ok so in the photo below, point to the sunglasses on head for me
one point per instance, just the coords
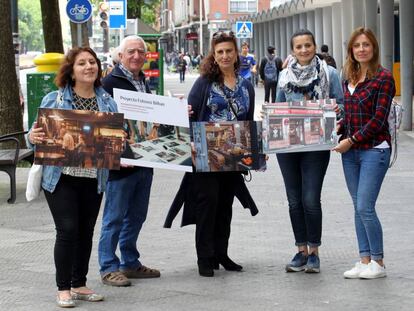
(223, 34)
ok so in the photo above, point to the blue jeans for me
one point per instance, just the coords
(303, 174)
(125, 211)
(364, 172)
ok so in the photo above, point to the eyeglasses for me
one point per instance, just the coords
(223, 34)
(133, 51)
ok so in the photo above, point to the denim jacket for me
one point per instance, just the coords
(62, 99)
(335, 90)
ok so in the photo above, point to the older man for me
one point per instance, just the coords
(128, 190)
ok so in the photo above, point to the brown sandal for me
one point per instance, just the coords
(115, 278)
(141, 273)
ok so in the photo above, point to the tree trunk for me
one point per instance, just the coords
(74, 34)
(11, 119)
(52, 31)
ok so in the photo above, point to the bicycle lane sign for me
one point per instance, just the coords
(79, 11)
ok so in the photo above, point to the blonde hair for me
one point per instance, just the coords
(352, 68)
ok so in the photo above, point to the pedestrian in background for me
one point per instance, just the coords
(219, 94)
(326, 56)
(269, 69)
(366, 145)
(306, 77)
(247, 63)
(182, 67)
(74, 194)
(187, 59)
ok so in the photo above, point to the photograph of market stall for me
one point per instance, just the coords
(80, 138)
(228, 146)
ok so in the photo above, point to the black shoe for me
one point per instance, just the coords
(215, 263)
(204, 267)
(227, 263)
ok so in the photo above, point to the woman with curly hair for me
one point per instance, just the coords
(219, 94)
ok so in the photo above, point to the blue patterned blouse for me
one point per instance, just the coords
(221, 97)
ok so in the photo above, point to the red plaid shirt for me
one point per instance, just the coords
(367, 109)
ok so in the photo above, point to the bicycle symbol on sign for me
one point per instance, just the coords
(79, 9)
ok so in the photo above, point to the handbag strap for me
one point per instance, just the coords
(230, 102)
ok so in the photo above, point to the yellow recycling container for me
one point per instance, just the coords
(397, 77)
(48, 62)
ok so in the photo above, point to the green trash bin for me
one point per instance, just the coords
(38, 85)
(42, 82)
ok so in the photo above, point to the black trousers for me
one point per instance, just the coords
(214, 195)
(75, 206)
(270, 87)
(182, 75)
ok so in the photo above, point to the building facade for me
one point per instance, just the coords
(332, 22)
(180, 21)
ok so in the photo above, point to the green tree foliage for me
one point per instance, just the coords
(143, 9)
(30, 25)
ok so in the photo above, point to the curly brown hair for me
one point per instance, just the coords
(209, 67)
(352, 68)
(64, 76)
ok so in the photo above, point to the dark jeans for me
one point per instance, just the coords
(182, 75)
(75, 206)
(303, 174)
(214, 195)
(270, 87)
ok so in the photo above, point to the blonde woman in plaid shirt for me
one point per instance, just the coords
(366, 145)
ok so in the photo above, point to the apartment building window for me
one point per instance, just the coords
(241, 6)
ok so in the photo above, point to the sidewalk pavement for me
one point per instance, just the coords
(262, 244)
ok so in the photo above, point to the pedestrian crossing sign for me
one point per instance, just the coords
(244, 30)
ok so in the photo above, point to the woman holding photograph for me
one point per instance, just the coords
(365, 145)
(74, 194)
(306, 77)
(220, 94)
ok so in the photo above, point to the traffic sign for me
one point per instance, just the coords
(79, 11)
(117, 14)
(244, 30)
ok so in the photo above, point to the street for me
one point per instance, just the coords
(262, 244)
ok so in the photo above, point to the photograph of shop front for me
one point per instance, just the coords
(299, 126)
(80, 138)
(159, 146)
(228, 146)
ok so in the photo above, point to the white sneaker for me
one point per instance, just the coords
(355, 271)
(374, 271)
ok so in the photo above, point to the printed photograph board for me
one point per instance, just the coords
(80, 138)
(158, 130)
(228, 146)
(299, 126)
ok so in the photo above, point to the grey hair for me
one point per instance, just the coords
(121, 48)
(115, 56)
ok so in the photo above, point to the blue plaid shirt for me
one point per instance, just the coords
(138, 83)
